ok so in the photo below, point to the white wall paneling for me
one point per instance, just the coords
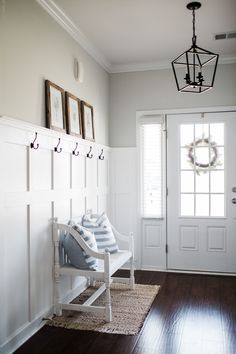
(123, 195)
(36, 185)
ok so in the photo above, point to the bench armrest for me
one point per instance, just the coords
(83, 244)
(129, 239)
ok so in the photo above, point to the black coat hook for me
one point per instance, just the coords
(74, 151)
(101, 156)
(89, 155)
(56, 147)
(33, 145)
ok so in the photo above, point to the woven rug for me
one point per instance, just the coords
(129, 310)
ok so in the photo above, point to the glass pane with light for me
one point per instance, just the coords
(217, 133)
(187, 181)
(217, 205)
(187, 204)
(202, 182)
(186, 134)
(201, 131)
(217, 181)
(202, 205)
(184, 160)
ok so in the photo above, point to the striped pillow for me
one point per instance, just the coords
(102, 230)
(77, 256)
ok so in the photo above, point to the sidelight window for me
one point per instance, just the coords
(151, 168)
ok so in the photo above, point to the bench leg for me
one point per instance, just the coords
(132, 280)
(57, 306)
(108, 313)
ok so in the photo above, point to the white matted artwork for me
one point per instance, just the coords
(55, 107)
(73, 115)
(88, 121)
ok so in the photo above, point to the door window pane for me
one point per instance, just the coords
(217, 133)
(184, 160)
(201, 131)
(202, 204)
(217, 205)
(202, 156)
(187, 205)
(187, 182)
(186, 134)
(217, 181)
(220, 158)
(202, 182)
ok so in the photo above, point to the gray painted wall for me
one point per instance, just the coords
(34, 47)
(153, 90)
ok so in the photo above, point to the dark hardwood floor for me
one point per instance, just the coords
(192, 314)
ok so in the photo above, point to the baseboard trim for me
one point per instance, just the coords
(29, 329)
(187, 271)
(25, 332)
(199, 272)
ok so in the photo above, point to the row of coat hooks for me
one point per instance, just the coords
(58, 149)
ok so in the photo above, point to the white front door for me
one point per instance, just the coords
(201, 180)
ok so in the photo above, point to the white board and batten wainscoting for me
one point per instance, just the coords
(37, 185)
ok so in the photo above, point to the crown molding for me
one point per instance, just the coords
(122, 68)
(227, 59)
(158, 65)
(62, 19)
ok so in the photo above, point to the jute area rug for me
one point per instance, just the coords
(129, 310)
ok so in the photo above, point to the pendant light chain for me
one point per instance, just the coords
(192, 75)
(194, 35)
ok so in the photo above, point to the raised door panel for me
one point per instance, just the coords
(153, 244)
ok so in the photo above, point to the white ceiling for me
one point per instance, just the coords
(126, 35)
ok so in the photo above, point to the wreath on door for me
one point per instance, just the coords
(201, 166)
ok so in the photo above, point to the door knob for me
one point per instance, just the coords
(234, 200)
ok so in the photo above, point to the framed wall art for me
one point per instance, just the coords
(73, 115)
(55, 107)
(87, 121)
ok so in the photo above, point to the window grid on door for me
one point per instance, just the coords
(202, 170)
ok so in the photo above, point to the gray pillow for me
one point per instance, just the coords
(76, 255)
(102, 230)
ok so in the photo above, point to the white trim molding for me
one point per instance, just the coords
(75, 32)
(64, 21)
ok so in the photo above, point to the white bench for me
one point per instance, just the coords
(108, 264)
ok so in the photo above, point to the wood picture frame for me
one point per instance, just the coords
(55, 107)
(87, 121)
(73, 115)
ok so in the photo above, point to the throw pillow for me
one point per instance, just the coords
(77, 256)
(102, 230)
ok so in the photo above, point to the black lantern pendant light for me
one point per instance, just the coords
(195, 69)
